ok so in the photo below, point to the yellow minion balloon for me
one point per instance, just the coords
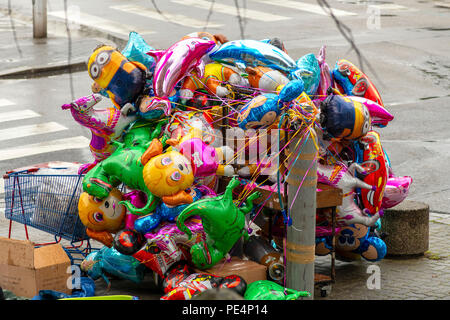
(123, 80)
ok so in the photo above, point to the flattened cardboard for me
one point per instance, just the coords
(249, 270)
(25, 270)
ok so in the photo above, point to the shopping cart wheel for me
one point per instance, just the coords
(128, 242)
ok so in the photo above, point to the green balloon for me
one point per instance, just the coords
(223, 224)
(124, 166)
(269, 290)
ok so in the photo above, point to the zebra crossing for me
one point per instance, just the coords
(9, 113)
(267, 14)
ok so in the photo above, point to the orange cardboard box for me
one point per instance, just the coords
(249, 270)
(24, 269)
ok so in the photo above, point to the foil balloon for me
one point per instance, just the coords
(353, 242)
(125, 166)
(343, 118)
(223, 222)
(380, 117)
(263, 110)
(108, 261)
(253, 53)
(339, 176)
(181, 123)
(266, 79)
(309, 71)
(371, 157)
(325, 74)
(397, 189)
(181, 283)
(162, 213)
(354, 82)
(173, 64)
(102, 217)
(214, 80)
(123, 80)
(217, 38)
(105, 125)
(136, 50)
(269, 290)
(169, 240)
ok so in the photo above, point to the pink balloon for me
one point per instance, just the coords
(380, 116)
(173, 64)
(325, 73)
(397, 189)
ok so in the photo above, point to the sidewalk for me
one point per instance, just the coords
(22, 56)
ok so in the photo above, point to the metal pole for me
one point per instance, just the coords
(39, 18)
(300, 240)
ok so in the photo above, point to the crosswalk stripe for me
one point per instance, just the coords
(232, 10)
(388, 6)
(78, 142)
(99, 23)
(175, 18)
(18, 115)
(312, 8)
(6, 102)
(30, 130)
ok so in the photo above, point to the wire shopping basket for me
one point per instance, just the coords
(48, 202)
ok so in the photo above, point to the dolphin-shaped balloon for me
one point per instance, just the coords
(173, 64)
(253, 53)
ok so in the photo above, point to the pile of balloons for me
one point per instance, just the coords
(151, 195)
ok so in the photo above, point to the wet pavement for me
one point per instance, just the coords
(411, 68)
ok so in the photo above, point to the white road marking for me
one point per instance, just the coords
(99, 23)
(6, 102)
(30, 130)
(78, 142)
(226, 9)
(312, 8)
(175, 18)
(18, 115)
(388, 6)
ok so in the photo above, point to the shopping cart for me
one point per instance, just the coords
(48, 202)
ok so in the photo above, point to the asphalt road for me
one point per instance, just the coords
(405, 51)
(404, 45)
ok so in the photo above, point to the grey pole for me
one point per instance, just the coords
(300, 240)
(39, 18)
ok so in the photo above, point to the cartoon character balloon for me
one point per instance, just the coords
(371, 157)
(354, 82)
(263, 110)
(223, 224)
(106, 125)
(123, 80)
(343, 118)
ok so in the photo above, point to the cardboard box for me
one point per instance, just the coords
(249, 270)
(24, 269)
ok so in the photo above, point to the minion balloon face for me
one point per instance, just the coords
(344, 119)
(122, 79)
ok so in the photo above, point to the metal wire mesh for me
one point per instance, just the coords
(46, 202)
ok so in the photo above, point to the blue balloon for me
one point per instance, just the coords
(136, 50)
(262, 111)
(110, 261)
(309, 71)
(162, 213)
(252, 53)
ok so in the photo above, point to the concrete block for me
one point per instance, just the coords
(407, 228)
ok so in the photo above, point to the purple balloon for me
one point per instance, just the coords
(396, 190)
(173, 64)
(380, 116)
